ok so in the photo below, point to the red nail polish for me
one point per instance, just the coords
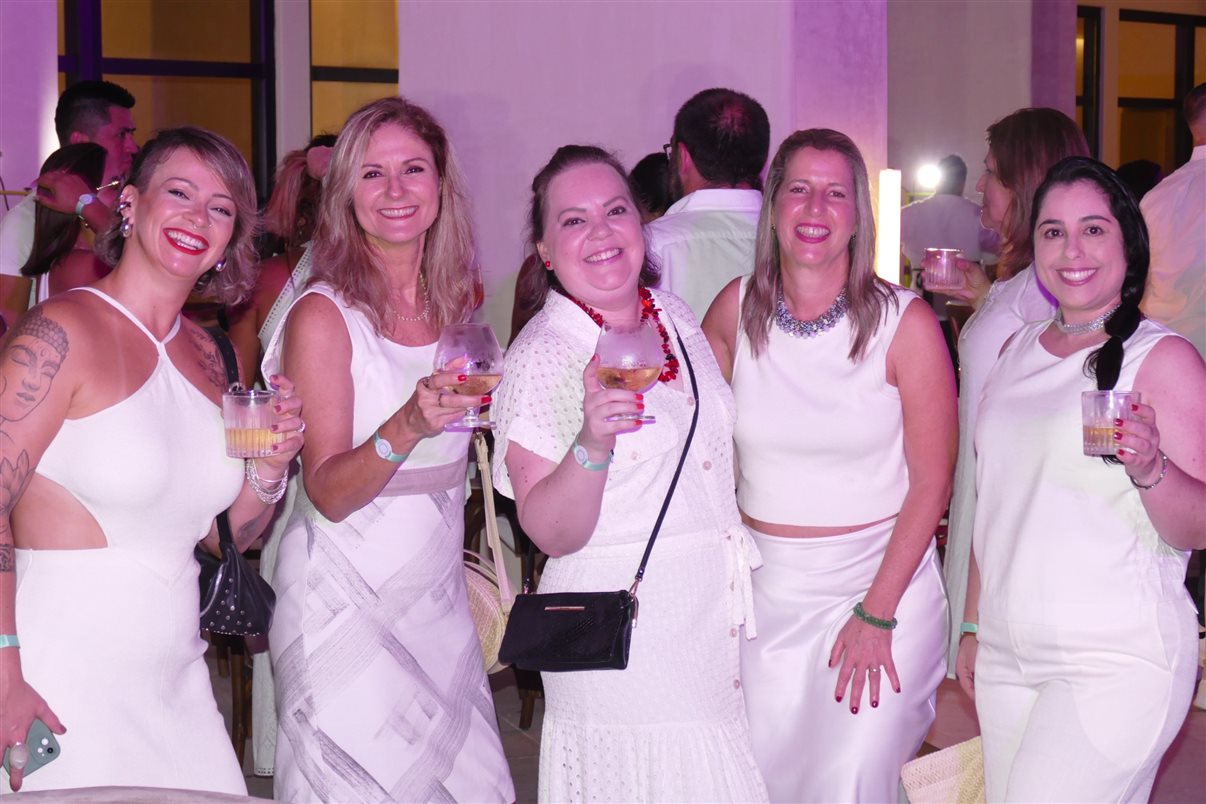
(277, 408)
(1121, 453)
(838, 698)
(640, 397)
(874, 704)
(461, 378)
(1117, 435)
(640, 405)
(486, 399)
(1118, 422)
(897, 690)
(854, 710)
(1134, 407)
(275, 428)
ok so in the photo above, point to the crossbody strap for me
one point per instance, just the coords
(231, 364)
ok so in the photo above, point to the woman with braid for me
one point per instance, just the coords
(1082, 646)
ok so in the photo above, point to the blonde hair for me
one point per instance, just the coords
(343, 256)
(866, 294)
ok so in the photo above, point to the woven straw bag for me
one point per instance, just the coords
(490, 593)
(954, 775)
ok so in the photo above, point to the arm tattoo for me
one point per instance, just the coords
(7, 563)
(210, 362)
(13, 477)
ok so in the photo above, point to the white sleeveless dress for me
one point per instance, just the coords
(380, 689)
(1088, 637)
(672, 725)
(110, 636)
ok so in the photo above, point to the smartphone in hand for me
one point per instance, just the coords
(43, 747)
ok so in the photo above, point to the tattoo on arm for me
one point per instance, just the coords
(210, 361)
(7, 562)
(13, 477)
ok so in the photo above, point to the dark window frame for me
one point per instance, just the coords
(1088, 95)
(84, 61)
(343, 75)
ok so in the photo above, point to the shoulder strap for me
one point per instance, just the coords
(226, 349)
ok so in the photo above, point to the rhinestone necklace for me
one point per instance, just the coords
(1089, 326)
(426, 305)
(649, 310)
(810, 329)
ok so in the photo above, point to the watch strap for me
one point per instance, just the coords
(84, 200)
(382, 446)
(583, 459)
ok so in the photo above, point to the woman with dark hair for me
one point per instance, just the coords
(381, 692)
(845, 441)
(112, 468)
(1081, 646)
(61, 257)
(672, 725)
(1022, 147)
(651, 178)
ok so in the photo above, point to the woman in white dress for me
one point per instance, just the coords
(672, 725)
(112, 469)
(380, 688)
(845, 441)
(1083, 643)
(1022, 147)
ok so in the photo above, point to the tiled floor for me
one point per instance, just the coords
(1182, 775)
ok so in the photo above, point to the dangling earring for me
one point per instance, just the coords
(219, 265)
(127, 226)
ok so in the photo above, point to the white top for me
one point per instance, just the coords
(284, 302)
(820, 439)
(384, 375)
(17, 236)
(1052, 522)
(942, 221)
(1175, 211)
(705, 240)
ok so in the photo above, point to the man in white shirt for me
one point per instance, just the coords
(717, 152)
(1175, 212)
(88, 111)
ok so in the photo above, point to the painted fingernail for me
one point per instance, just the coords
(874, 704)
(461, 378)
(837, 698)
(640, 405)
(278, 408)
(1134, 407)
(1117, 435)
(1121, 453)
(854, 710)
(275, 428)
(640, 397)
(897, 689)
(276, 447)
(1118, 422)
(486, 399)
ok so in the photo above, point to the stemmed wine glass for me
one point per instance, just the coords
(630, 358)
(473, 351)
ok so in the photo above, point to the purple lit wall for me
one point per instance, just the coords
(28, 88)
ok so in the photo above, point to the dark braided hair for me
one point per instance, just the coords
(1105, 364)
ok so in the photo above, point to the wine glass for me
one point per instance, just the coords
(470, 350)
(630, 358)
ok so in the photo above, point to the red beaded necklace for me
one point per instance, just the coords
(648, 310)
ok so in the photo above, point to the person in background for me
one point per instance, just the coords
(88, 111)
(1080, 640)
(651, 177)
(112, 468)
(717, 152)
(1022, 146)
(381, 691)
(62, 256)
(672, 725)
(1140, 176)
(845, 440)
(1175, 211)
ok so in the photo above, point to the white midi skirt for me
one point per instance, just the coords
(809, 746)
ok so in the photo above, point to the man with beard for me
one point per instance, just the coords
(717, 152)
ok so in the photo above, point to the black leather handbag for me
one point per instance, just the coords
(235, 599)
(566, 631)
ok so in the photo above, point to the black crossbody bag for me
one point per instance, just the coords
(567, 631)
(235, 599)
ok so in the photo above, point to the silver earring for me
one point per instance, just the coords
(127, 227)
(219, 265)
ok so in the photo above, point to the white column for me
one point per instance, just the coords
(29, 89)
(292, 42)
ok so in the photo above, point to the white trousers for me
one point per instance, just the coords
(1083, 714)
(809, 746)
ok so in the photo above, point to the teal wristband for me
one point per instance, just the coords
(579, 453)
(886, 625)
(969, 628)
(9, 641)
(85, 200)
(385, 450)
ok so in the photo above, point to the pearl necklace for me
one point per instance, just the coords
(649, 310)
(426, 305)
(1089, 326)
(810, 329)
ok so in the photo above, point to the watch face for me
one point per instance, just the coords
(383, 448)
(580, 454)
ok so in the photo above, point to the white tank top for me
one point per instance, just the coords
(1061, 538)
(820, 439)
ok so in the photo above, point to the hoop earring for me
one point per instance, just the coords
(219, 265)
(127, 227)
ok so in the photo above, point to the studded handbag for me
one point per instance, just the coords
(235, 599)
(565, 631)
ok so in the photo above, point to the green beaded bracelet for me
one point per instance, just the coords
(887, 625)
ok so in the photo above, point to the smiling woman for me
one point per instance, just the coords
(112, 469)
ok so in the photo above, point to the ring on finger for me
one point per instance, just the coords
(302, 428)
(873, 670)
(18, 757)
(440, 399)
(426, 383)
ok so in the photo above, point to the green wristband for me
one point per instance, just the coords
(886, 625)
(969, 628)
(9, 641)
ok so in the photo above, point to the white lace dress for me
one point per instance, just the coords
(672, 726)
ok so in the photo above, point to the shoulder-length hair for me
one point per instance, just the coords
(55, 233)
(534, 285)
(343, 256)
(866, 294)
(234, 282)
(292, 208)
(1024, 146)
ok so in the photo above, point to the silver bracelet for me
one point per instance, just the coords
(269, 492)
(1156, 482)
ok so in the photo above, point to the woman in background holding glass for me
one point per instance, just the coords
(589, 485)
(1021, 148)
(381, 690)
(1081, 644)
(845, 442)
